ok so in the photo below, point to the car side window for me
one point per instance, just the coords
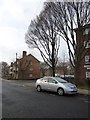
(51, 80)
(45, 80)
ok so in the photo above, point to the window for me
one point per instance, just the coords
(87, 44)
(87, 74)
(17, 69)
(30, 75)
(86, 31)
(31, 69)
(45, 80)
(30, 62)
(51, 80)
(11, 67)
(87, 59)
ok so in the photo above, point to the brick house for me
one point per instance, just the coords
(28, 67)
(83, 37)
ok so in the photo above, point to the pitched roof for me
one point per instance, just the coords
(33, 57)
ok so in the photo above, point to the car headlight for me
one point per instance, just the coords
(71, 87)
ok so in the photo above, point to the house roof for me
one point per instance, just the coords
(23, 58)
(33, 57)
(27, 56)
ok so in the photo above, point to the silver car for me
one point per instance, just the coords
(56, 84)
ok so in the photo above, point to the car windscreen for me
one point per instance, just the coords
(60, 80)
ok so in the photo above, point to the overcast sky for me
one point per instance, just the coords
(15, 17)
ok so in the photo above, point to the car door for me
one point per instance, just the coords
(52, 84)
(45, 84)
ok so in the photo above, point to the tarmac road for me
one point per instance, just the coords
(22, 101)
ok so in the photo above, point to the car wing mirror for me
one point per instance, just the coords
(56, 82)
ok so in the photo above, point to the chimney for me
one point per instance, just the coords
(24, 53)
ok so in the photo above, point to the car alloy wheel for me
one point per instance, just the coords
(60, 91)
(38, 88)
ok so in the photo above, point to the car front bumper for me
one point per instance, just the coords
(71, 91)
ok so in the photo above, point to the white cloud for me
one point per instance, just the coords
(15, 17)
(11, 41)
(8, 36)
(19, 11)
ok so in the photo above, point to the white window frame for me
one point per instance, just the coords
(30, 75)
(87, 59)
(17, 68)
(88, 74)
(87, 44)
(86, 31)
(31, 69)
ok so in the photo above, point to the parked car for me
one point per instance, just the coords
(55, 84)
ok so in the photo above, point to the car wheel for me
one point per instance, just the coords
(38, 88)
(60, 91)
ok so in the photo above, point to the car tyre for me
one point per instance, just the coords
(60, 92)
(38, 88)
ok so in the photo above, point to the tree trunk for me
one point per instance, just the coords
(75, 76)
(53, 71)
(53, 59)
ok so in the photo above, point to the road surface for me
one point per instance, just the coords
(19, 101)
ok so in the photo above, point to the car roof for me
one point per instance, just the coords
(49, 77)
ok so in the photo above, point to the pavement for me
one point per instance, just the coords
(31, 83)
(83, 91)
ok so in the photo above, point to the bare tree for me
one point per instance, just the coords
(71, 15)
(43, 69)
(5, 70)
(63, 65)
(41, 34)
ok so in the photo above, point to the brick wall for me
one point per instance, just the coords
(81, 38)
(28, 67)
